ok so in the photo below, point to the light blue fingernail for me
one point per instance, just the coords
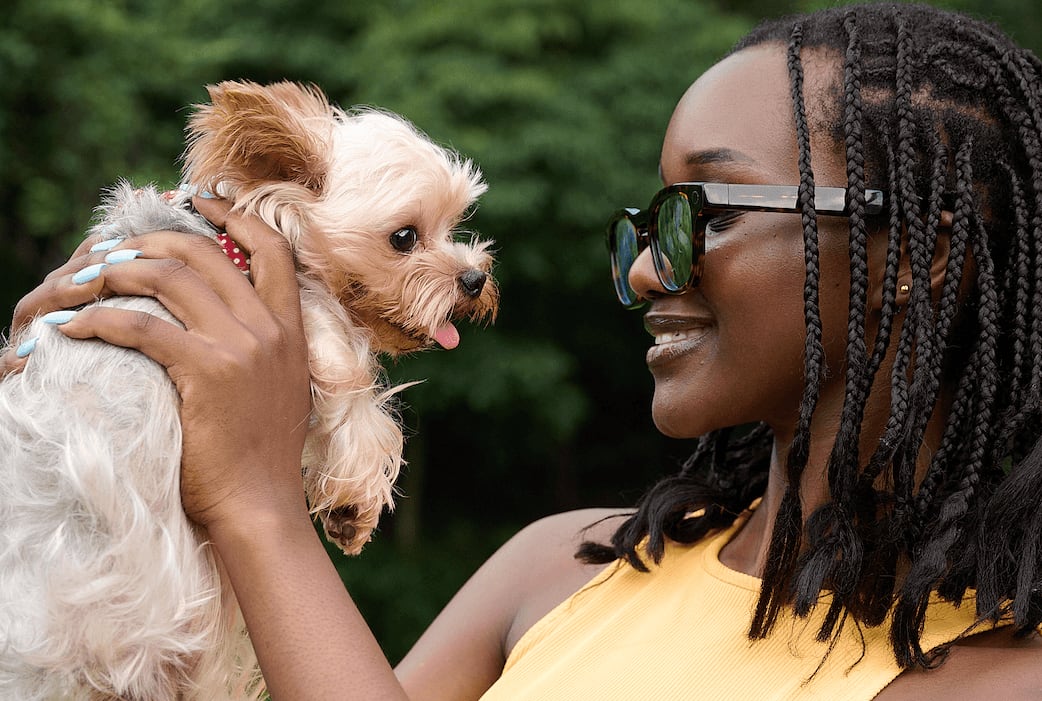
(91, 272)
(27, 347)
(62, 316)
(122, 256)
(190, 189)
(105, 245)
(207, 195)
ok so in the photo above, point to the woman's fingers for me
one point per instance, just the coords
(11, 362)
(271, 259)
(192, 299)
(215, 210)
(163, 342)
(188, 274)
(54, 292)
(83, 279)
(92, 273)
(199, 253)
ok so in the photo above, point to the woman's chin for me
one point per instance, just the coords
(676, 424)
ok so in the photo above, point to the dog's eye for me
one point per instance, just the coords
(404, 240)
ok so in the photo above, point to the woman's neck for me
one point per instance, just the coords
(747, 551)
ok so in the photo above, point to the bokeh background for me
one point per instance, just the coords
(562, 103)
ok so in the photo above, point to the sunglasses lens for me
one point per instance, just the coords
(674, 253)
(623, 241)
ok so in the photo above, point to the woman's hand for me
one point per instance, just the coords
(239, 365)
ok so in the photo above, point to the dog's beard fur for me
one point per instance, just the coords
(107, 591)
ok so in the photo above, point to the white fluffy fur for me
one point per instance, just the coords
(107, 591)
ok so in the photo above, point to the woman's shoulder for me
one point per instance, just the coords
(524, 580)
(990, 665)
(562, 533)
(542, 557)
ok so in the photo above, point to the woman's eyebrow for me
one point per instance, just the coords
(716, 155)
(713, 156)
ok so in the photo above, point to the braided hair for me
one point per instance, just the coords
(943, 113)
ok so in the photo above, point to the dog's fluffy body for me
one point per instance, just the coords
(107, 591)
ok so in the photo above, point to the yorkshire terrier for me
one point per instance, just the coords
(107, 590)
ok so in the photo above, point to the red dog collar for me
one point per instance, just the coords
(232, 250)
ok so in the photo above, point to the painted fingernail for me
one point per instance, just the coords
(122, 256)
(27, 347)
(207, 195)
(62, 316)
(105, 245)
(91, 272)
(190, 189)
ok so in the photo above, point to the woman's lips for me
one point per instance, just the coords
(674, 337)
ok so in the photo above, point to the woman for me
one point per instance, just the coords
(883, 345)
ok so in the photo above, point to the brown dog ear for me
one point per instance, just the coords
(250, 134)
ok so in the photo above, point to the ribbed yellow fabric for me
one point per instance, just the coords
(680, 632)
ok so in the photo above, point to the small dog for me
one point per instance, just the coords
(107, 591)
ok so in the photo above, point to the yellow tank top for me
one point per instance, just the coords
(680, 632)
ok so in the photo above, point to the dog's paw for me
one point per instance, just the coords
(343, 527)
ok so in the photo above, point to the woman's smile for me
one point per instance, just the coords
(674, 336)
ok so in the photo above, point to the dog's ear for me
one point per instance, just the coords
(251, 134)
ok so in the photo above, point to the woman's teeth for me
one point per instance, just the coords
(676, 336)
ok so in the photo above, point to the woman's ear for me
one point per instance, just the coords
(877, 262)
(877, 247)
(942, 249)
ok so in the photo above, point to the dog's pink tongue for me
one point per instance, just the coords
(447, 336)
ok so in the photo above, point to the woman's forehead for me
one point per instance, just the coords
(737, 120)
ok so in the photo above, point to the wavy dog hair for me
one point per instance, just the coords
(944, 113)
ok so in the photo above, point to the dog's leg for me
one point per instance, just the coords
(354, 448)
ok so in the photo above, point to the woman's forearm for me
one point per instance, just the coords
(310, 638)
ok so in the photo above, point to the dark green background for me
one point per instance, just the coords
(563, 104)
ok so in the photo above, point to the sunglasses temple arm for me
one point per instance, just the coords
(782, 198)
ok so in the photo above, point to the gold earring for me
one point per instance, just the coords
(904, 289)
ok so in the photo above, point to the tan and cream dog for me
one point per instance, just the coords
(107, 591)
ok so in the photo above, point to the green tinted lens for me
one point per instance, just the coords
(625, 248)
(674, 251)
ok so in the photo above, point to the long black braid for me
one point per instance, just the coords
(785, 545)
(944, 114)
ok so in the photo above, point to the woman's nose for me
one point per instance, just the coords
(643, 278)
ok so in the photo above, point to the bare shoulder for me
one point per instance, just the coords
(527, 577)
(991, 665)
(544, 554)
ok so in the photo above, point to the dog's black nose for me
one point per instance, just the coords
(472, 282)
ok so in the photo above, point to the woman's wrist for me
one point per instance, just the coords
(249, 525)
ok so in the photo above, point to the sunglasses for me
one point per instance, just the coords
(674, 225)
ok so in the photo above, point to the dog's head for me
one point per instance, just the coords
(371, 206)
